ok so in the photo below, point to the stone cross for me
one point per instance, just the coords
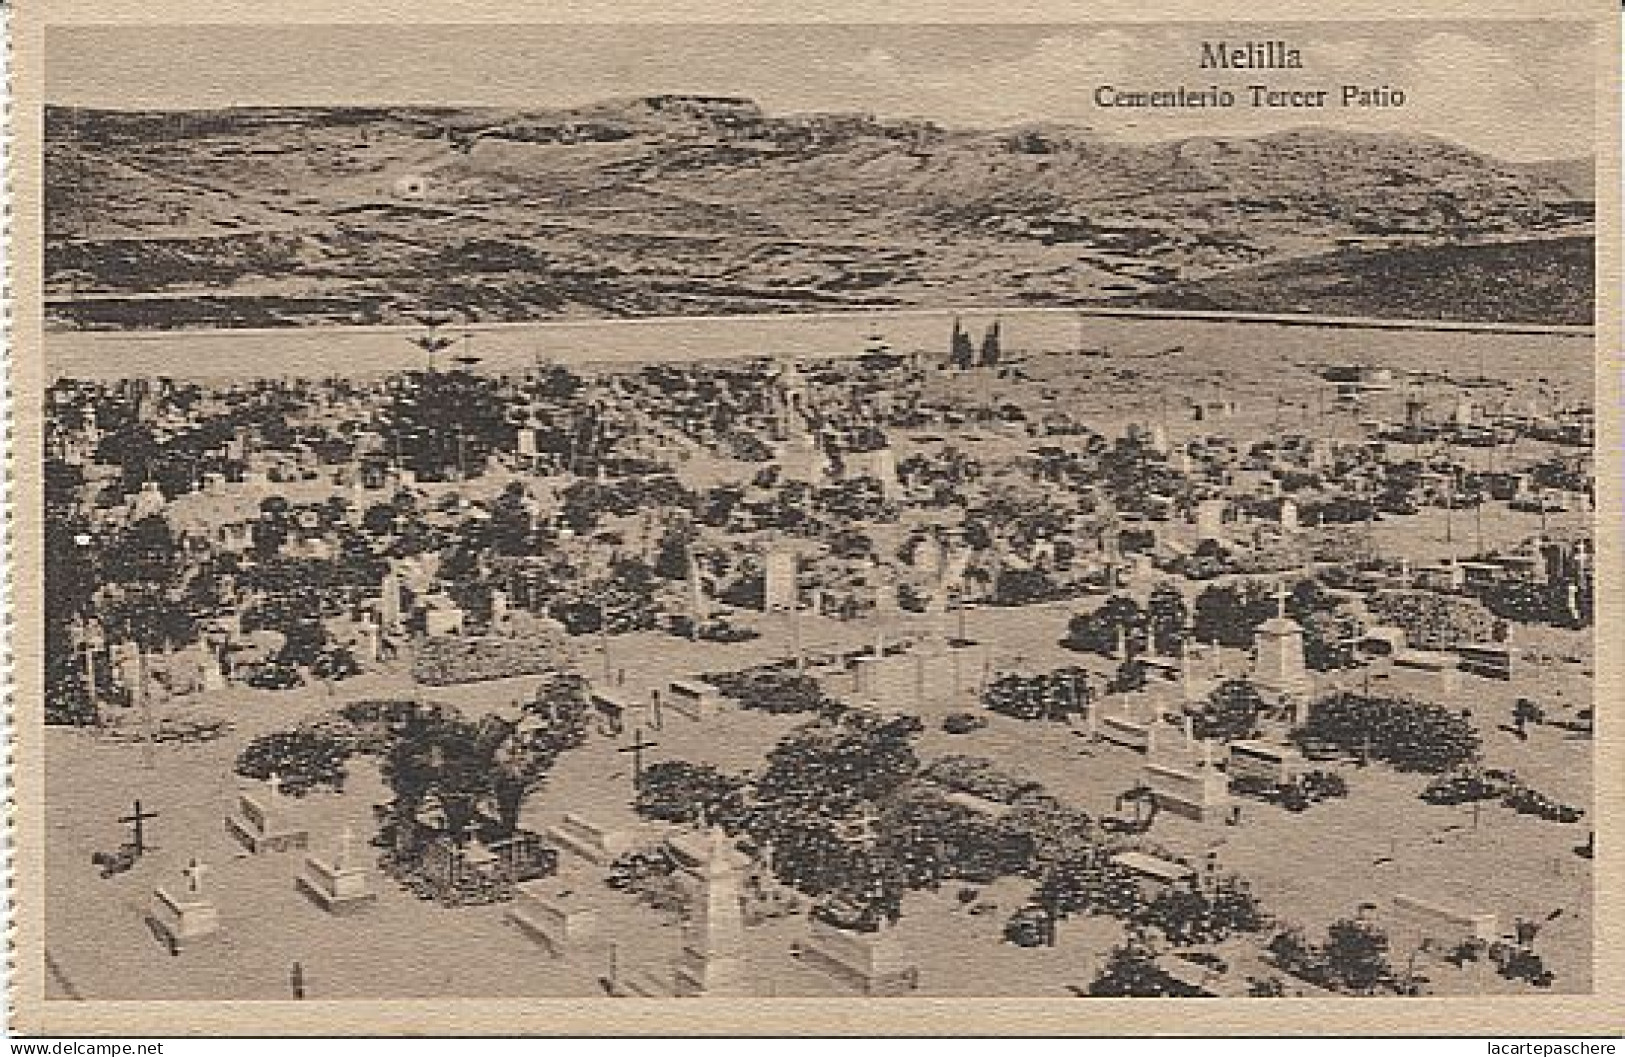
(194, 876)
(1280, 598)
(1207, 753)
(1190, 727)
(275, 782)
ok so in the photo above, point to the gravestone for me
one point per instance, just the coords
(779, 588)
(692, 698)
(341, 884)
(1152, 873)
(180, 920)
(368, 643)
(1265, 761)
(1416, 922)
(712, 962)
(263, 824)
(1190, 790)
(554, 914)
(1278, 647)
(1128, 730)
(874, 964)
(389, 604)
(594, 843)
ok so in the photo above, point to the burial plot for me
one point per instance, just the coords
(712, 961)
(589, 841)
(555, 914)
(692, 698)
(1264, 761)
(263, 824)
(340, 884)
(875, 964)
(1154, 874)
(1418, 922)
(713, 957)
(1190, 789)
(1128, 730)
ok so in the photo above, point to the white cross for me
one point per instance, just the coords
(275, 782)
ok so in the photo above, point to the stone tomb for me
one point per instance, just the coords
(874, 964)
(553, 913)
(1152, 873)
(692, 698)
(182, 920)
(1264, 761)
(712, 961)
(1417, 922)
(339, 885)
(262, 825)
(589, 841)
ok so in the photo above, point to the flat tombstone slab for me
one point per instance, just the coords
(336, 889)
(699, 975)
(589, 841)
(1425, 922)
(262, 827)
(555, 914)
(179, 922)
(872, 963)
(692, 698)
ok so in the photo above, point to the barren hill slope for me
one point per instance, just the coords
(705, 204)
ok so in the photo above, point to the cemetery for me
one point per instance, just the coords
(996, 707)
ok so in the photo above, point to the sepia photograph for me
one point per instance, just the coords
(566, 516)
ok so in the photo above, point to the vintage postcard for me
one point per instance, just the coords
(740, 519)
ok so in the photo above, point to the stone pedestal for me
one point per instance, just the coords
(589, 841)
(337, 888)
(260, 825)
(1280, 667)
(181, 921)
(874, 964)
(554, 915)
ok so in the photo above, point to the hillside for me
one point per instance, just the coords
(1545, 280)
(684, 204)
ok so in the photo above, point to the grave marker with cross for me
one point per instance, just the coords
(135, 819)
